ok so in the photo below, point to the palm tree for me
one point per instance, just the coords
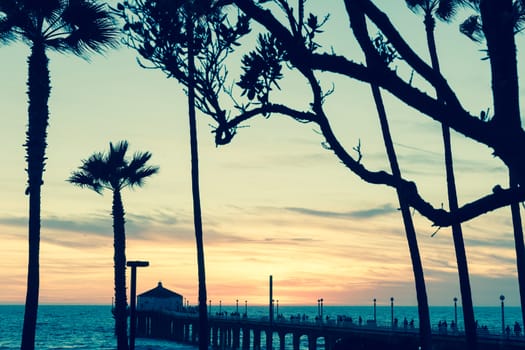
(180, 38)
(112, 171)
(75, 26)
(195, 188)
(444, 10)
(387, 54)
(507, 102)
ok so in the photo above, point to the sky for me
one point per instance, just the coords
(274, 201)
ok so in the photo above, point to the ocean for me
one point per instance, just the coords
(90, 327)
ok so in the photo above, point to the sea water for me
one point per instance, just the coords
(91, 327)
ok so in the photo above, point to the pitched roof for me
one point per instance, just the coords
(160, 292)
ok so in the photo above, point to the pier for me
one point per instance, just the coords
(236, 332)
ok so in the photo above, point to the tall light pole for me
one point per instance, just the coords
(375, 310)
(246, 308)
(220, 307)
(277, 311)
(321, 309)
(456, 311)
(209, 302)
(270, 312)
(392, 310)
(502, 298)
(133, 298)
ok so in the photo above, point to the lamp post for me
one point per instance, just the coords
(220, 307)
(133, 297)
(456, 311)
(246, 308)
(502, 298)
(237, 306)
(321, 309)
(209, 303)
(277, 311)
(392, 310)
(375, 310)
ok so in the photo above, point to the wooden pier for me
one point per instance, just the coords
(255, 334)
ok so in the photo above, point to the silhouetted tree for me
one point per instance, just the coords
(445, 10)
(386, 56)
(113, 171)
(175, 36)
(301, 51)
(79, 27)
(473, 28)
(289, 38)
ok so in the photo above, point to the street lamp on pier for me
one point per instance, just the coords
(392, 310)
(456, 311)
(246, 308)
(237, 306)
(502, 298)
(133, 299)
(220, 307)
(209, 302)
(277, 308)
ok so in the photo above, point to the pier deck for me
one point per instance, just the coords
(249, 333)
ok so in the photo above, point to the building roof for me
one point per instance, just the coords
(160, 292)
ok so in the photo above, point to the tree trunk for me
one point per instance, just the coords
(506, 123)
(197, 215)
(417, 267)
(499, 34)
(38, 114)
(119, 259)
(520, 248)
(457, 232)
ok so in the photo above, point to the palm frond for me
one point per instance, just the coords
(447, 9)
(518, 9)
(6, 31)
(416, 5)
(90, 29)
(138, 178)
(116, 155)
(112, 170)
(471, 27)
(97, 167)
(15, 21)
(48, 9)
(83, 179)
(137, 170)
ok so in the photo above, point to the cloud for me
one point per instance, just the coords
(386, 209)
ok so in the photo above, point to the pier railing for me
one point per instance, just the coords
(238, 332)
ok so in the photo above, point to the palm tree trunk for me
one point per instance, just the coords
(417, 267)
(119, 259)
(499, 34)
(197, 215)
(358, 24)
(38, 115)
(457, 232)
(519, 246)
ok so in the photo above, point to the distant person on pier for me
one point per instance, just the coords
(517, 329)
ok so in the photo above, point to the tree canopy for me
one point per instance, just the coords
(288, 42)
